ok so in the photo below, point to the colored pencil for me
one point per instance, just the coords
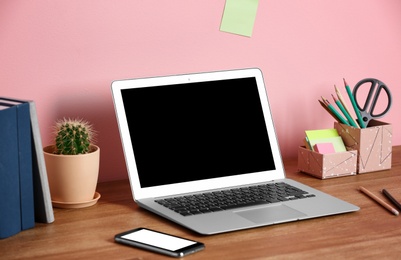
(346, 114)
(334, 112)
(378, 200)
(342, 100)
(353, 102)
(329, 111)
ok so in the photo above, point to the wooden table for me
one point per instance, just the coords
(88, 233)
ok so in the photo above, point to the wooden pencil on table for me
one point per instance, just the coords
(391, 198)
(378, 200)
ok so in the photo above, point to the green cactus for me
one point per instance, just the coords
(73, 136)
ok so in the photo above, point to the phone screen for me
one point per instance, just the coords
(158, 239)
(159, 242)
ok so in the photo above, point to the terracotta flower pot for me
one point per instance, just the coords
(72, 178)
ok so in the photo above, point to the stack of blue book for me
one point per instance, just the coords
(21, 169)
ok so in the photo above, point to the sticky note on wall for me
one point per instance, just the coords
(239, 16)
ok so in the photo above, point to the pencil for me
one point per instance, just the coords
(341, 107)
(378, 200)
(341, 99)
(328, 110)
(354, 105)
(334, 112)
(346, 114)
(391, 198)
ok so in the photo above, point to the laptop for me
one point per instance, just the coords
(205, 137)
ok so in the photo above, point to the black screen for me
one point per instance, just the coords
(197, 131)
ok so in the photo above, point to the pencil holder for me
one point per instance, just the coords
(326, 166)
(373, 143)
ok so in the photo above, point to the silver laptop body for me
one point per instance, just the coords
(206, 132)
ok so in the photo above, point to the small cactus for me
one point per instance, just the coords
(73, 136)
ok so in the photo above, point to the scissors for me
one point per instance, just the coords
(367, 111)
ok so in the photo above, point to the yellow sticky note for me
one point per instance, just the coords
(326, 136)
(321, 133)
(239, 17)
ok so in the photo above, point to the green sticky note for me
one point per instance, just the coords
(326, 136)
(239, 17)
(321, 133)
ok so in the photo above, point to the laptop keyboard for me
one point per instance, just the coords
(233, 198)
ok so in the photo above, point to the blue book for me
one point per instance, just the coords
(25, 161)
(10, 210)
(42, 199)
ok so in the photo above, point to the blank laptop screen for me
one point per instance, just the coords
(196, 131)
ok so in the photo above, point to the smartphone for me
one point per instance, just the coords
(159, 242)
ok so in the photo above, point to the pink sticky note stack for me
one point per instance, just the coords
(324, 148)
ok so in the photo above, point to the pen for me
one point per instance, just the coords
(341, 99)
(353, 102)
(334, 112)
(341, 107)
(391, 198)
(378, 200)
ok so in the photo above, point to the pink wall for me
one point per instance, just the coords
(64, 54)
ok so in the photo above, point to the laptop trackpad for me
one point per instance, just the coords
(274, 214)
